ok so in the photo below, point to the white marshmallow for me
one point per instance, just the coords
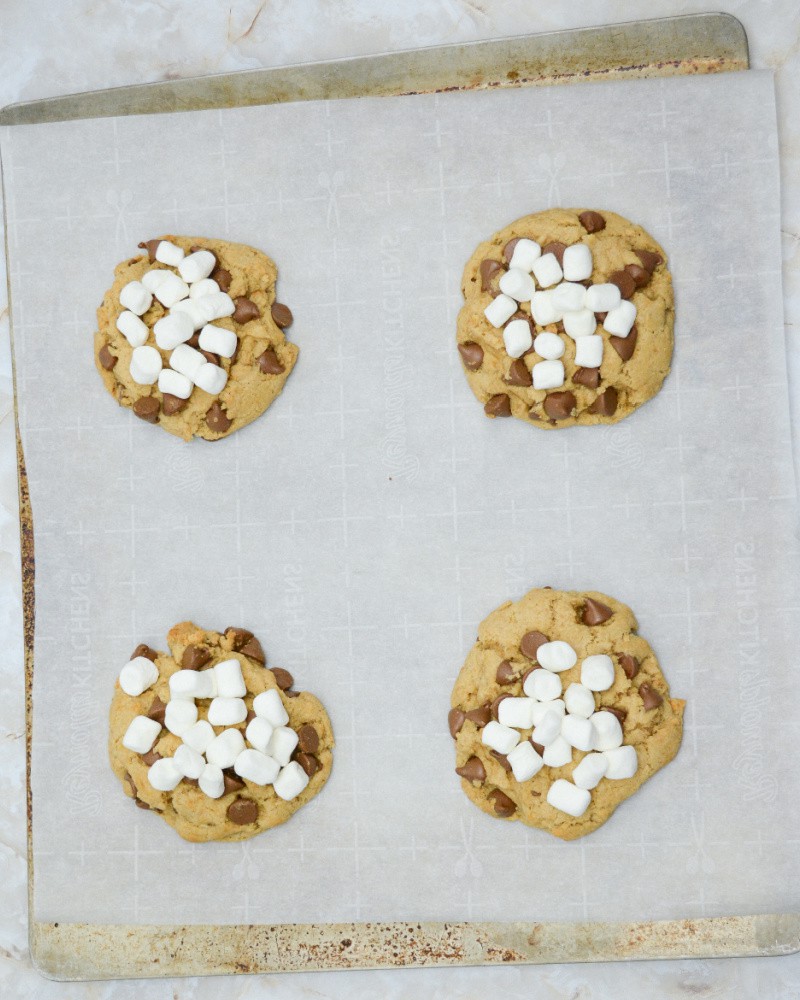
(187, 361)
(225, 748)
(282, 744)
(525, 761)
(541, 708)
(622, 762)
(578, 732)
(543, 309)
(290, 782)
(152, 279)
(499, 737)
(141, 734)
(168, 253)
(215, 306)
(602, 298)
(164, 775)
(569, 296)
(589, 351)
(518, 284)
(172, 329)
(259, 733)
(500, 309)
(556, 656)
(180, 715)
(199, 736)
(579, 700)
(187, 684)
(607, 731)
(227, 711)
(230, 682)
(548, 374)
(256, 767)
(188, 761)
(525, 253)
(620, 320)
(212, 781)
(548, 346)
(211, 378)
(516, 712)
(567, 798)
(197, 265)
(146, 365)
(597, 672)
(133, 329)
(137, 676)
(517, 337)
(590, 770)
(189, 307)
(577, 262)
(218, 340)
(542, 685)
(205, 286)
(547, 729)
(580, 324)
(558, 753)
(174, 383)
(171, 290)
(547, 270)
(134, 296)
(269, 706)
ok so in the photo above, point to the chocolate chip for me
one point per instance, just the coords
(282, 315)
(238, 636)
(624, 282)
(639, 274)
(506, 674)
(490, 271)
(501, 759)
(147, 408)
(146, 651)
(538, 748)
(106, 358)
(480, 716)
(222, 278)
(191, 781)
(269, 363)
(496, 705)
(140, 804)
(590, 377)
(471, 354)
(533, 415)
(217, 419)
(503, 805)
(212, 359)
(308, 740)
(530, 642)
(245, 310)
(197, 247)
(455, 720)
(519, 374)
(620, 713)
(250, 716)
(629, 664)
(254, 650)
(528, 672)
(650, 697)
(231, 781)
(130, 784)
(625, 346)
(157, 710)
(150, 246)
(292, 694)
(309, 763)
(606, 403)
(242, 812)
(498, 406)
(557, 249)
(592, 222)
(151, 757)
(194, 340)
(559, 405)
(172, 404)
(649, 260)
(595, 613)
(508, 249)
(472, 770)
(195, 657)
(600, 317)
(283, 678)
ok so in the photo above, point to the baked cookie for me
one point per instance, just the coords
(560, 712)
(191, 338)
(567, 320)
(212, 739)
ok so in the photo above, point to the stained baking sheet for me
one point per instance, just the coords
(366, 523)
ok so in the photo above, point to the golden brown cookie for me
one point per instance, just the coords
(272, 749)
(566, 378)
(247, 355)
(568, 669)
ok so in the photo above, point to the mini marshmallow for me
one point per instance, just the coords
(579, 701)
(547, 729)
(173, 329)
(134, 296)
(556, 656)
(269, 706)
(141, 734)
(517, 337)
(518, 284)
(171, 290)
(225, 748)
(516, 712)
(597, 672)
(568, 798)
(525, 761)
(607, 730)
(541, 708)
(205, 286)
(211, 378)
(622, 762)
(589, 351)
(620, 321)
(500, 309)
(578, 732)
(137, 676)
(133, 329)
(189, 307)
(525, 253)
(215, 306)
(577, 262)
(580, 324)
(187, 361)
(164, 775)
(199, 736)
(146, 365)
(197, 265)
(230, 682)
(590, 770)
(227, 711)
(548, 346)
(189, 762)
(174, 383)
(542, 685)
(168, 253)
(548, 374)
(212, 781)
(543, 309)
(259, 733)
(218, 340)
(569, 296)
(499, 737)
(602, 298)
(187, 684)
(290, 782)
(180, 715)
(547, 270)
(558, 753)
(152, 279)
(281, 744)
(256, 767)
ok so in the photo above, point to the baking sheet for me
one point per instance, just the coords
(373, 516)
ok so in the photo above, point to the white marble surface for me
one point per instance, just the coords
(48, 49)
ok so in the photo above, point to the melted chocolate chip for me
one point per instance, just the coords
(496, 705)
(172, 404)
(250, 716)
(150, 246)
(157, 711)
(130, 782)
(506, 674)
(217, 419)
(490, 271)
(650, 697)
(232, 781)
(455, 720)
(146, 651)
(242, 812)
(282, 314)
(472, 770)
(620, 713)
(501, 759)
(530, 642)
(650, 260)
(605, 404)
(595, 613)
(590, 377)
(308, 740)
(222, 278)
(625, 346)
(197, 247)
(269, 363)
(195, 657)
(238, 636)
(106, 358)
(624, 282)
(211, 358)
(480, 716)
(629, 664)
(639, 274)
(309, 763)
(559, 405)
(498, 406)
(503, 805)
(151, 757)
(471, 354)
(147, 408)
(254, 650)
(538, 748)
(245, 310)
(556, 249)
(519, 374)
(592, 222)
(508, 249)
(283, 678)
(140, 804)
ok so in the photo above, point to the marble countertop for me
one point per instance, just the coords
(48, 49)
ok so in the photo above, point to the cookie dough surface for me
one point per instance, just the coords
(633, 368)
(505, 652)
(256, 372)
(247, 808)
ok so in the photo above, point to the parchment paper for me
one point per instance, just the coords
(373, 516)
